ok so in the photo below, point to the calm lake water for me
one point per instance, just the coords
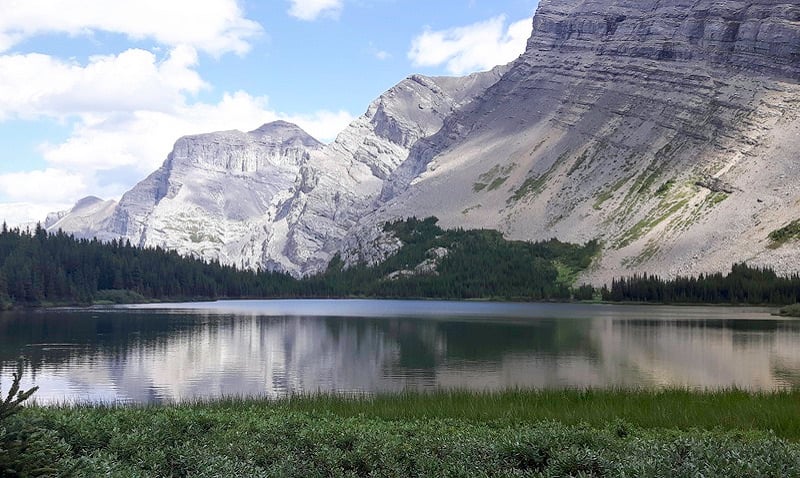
(274, 348)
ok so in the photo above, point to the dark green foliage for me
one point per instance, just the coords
(584, 292)
(478, 264)
(743, 285)
(785, 234)
(26, 448)
(665, 187)
(119, 297)
(792, 310)
(39, 268)
(251, 438)
(16, 396)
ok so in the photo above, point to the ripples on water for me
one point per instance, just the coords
(275, 348)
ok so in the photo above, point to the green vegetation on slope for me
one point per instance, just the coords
(476, 264)
(568, 433)
(789, 232)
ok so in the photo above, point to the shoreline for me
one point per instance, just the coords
(102, 304)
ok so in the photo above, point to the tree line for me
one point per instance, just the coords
(742, 285)
(37, 267)
(40, 268)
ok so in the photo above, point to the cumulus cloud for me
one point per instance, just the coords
(50, 185)
(213, 26)
(310, 10)
(127, 147)
(33, 85)
(125, 110)
(142, 139)
(476, 47)
(28, 214)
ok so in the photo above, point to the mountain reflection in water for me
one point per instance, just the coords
(192, 351)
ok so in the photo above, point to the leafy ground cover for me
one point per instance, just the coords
(556, 433)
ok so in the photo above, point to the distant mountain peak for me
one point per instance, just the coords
(286, 132)
(88, 201)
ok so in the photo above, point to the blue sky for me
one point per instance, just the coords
(94, 92)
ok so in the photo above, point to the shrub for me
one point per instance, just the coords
(26, 448)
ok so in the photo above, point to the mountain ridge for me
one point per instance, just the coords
(667, 129)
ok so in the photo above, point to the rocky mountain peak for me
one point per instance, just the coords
(286, 134)
(88, 201)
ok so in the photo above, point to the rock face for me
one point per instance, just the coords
(275, 198)
(609, 122)
(612, 125)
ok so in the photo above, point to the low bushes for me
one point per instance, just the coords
(250, 439)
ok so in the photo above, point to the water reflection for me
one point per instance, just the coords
(249, 349)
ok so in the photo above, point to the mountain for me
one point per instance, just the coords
(668, 129)
(276, 198)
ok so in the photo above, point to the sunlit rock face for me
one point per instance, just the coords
(276, 198)
(615, 124)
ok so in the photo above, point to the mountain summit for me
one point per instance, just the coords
(668, 129)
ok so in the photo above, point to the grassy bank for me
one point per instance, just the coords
(732, 410)
(558, 433)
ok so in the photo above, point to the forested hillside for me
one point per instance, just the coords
(462, 264)
(37, 268)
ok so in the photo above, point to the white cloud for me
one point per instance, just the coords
(323, 125)
(376, 52)
(142, 139)
(48, 186)
(310, 10)
(34, 85)
(476, 47)
(127, 109)
(129, 146)
(213, 26)
(26, 214)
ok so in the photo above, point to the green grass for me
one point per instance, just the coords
(682, 409)
(516, 433)
(493, 178)
(497, 183)
(661, 214)
(609, 193)
(789, 232)
(534, 185)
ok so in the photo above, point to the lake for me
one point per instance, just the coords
(157, 353)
